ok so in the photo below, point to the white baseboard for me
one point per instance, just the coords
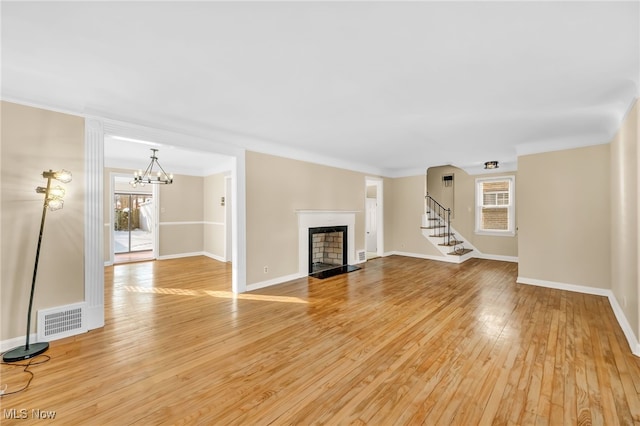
(563, 286)
(274, 281)
(624, 324)
(632, 339)
(448, 259)
(214, 257)
(499, 257)
(180, 255)
(8, 344)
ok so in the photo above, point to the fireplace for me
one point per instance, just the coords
(336, 221)
(327, 248)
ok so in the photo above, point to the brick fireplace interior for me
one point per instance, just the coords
(327, 248)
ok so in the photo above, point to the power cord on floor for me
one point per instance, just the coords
(37, 360)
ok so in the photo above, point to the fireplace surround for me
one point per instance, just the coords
(324, 218)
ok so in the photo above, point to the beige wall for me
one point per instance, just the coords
(460, 197)
(214, 219)
(180, 239)
(183, 200)
(275, 188)
(34, 140)
(562, 201)
(403, 211)
(624, 215)
(181, 204)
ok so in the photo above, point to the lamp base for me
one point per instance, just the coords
(21, 352)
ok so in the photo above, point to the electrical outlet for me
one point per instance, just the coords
(266, 269)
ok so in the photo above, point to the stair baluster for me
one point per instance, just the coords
(440, 211)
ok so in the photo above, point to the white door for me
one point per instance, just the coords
(372, 225)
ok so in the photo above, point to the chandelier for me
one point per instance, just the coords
(149, 176)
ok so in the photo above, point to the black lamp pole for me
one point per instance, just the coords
(30, 350)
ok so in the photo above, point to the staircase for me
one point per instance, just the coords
(436, 227)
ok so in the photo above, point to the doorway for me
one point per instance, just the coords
(373, 219)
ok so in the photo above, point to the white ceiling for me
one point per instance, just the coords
(387, 87)
(136, 155)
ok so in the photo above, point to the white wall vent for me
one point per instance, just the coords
(62, 321)
(362, 256)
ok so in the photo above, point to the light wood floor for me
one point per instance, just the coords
(402, 341)
(134, 256)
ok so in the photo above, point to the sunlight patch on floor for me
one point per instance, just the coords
(219, 294)
(259, 297)
(162, 290)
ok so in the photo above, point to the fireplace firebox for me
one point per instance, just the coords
(327, 248)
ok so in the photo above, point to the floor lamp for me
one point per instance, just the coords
(52, 201)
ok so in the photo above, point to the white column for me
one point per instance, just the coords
(94, 223)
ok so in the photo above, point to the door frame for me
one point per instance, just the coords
(378, 183)
(228, 218)
(95, 129)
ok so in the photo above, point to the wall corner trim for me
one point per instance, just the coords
(180, 255)
(632, 339)
(214, 257)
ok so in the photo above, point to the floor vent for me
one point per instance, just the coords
(60, 322)
(362, 255)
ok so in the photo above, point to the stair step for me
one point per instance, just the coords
(440, 235)
(433, 227)
(451, 243)
(460, 252)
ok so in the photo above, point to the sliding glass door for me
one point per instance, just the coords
(133, 222)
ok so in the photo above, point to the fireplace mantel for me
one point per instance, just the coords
(318, 218)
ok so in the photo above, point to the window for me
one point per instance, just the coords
(495, 207)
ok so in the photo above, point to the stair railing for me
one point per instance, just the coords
(441, 212)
